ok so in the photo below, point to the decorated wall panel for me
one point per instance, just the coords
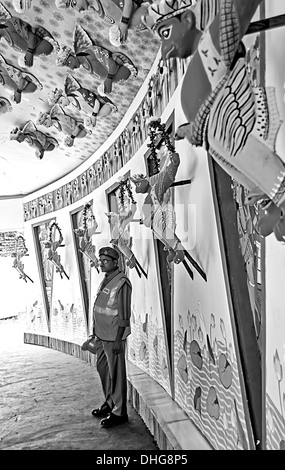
(68, 316)
(38, 292)
(274, 344)
(43, 234)
(147, 345)
(208, 376)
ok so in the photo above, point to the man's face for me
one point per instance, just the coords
(107, 264)
(176, 37)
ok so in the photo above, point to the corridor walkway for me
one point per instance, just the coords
(46, 398)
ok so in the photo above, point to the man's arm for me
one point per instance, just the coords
(124, 313)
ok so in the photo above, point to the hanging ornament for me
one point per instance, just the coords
(124, 187)
(155, 129)
(54, 224)
(88, 218)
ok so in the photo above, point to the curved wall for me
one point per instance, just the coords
(188, 350)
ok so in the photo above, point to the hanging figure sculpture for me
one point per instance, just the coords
(223, 110)
(52, 246)
(85, 233)
(106, 10)
(17, 81)
(91, 105)
(158, 212)
(111, 67)
(72, 127)
(34, 41)
(21, 250)
(121, 237)
(35, 138)
(122, 15)
(132, 18)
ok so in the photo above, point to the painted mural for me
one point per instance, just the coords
(147, 345)
(207, 380)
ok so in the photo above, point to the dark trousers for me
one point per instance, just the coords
(112, 372)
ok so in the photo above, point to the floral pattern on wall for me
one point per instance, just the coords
(146, 347)
(207, 383)
(275, 416)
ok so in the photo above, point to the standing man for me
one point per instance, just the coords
(111, 317)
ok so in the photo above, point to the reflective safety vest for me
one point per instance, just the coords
(105, 310)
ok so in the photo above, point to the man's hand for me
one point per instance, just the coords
(117, 347)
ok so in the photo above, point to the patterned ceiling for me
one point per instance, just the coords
(21, 172)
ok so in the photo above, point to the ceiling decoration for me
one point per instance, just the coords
(160, 89)
(21, 172)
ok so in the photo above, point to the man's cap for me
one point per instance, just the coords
(109, 251)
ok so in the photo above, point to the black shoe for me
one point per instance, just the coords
(101, 412)
(113, 420)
